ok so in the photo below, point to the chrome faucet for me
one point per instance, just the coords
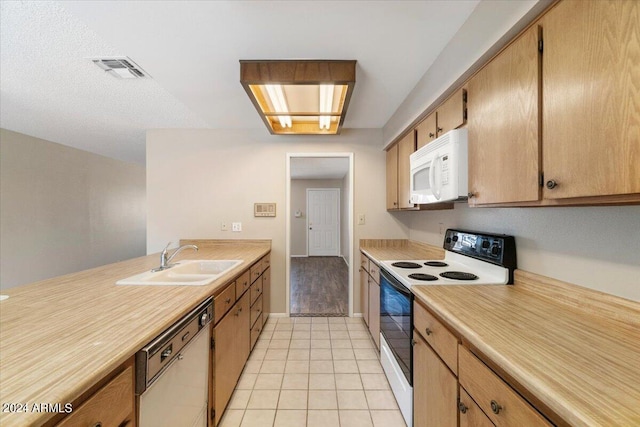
(165, 259)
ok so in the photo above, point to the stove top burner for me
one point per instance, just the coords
(458, 275)
(436, 264)
(403, 264)
(422, 276)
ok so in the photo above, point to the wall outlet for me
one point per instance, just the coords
(223, 226)
(361, 219)
(442, 228)
(236, 226)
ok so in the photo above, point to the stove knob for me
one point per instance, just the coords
(495, 250)
(448, 240)
(455, 238)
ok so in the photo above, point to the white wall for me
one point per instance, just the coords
(344, 220)
(198, 178)
(299, 202)
(64, 210)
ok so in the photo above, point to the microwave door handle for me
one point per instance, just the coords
(437, 192)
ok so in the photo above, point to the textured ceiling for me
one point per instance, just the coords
(191, 48)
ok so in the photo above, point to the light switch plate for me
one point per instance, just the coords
(361, 219)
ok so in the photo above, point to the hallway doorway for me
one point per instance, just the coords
(319, 234)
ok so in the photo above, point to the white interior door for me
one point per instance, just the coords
(323, 227)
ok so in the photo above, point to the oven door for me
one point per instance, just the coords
(396, 318)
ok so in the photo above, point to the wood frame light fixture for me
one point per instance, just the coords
(300, 97)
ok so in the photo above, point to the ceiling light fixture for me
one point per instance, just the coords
(300, 97)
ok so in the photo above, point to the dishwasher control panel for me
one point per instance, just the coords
(156, 356)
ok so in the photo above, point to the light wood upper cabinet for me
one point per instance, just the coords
(435, 388)
(426, 131)
(451, 114)
(504, 141)
(392, 177)
(591, 98)
(406, 147)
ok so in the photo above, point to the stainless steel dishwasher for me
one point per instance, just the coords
(172, 373)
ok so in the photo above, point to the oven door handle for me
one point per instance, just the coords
(393, 282)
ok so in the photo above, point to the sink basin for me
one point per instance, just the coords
(184, 273)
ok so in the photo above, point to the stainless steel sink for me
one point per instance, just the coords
(185, 273)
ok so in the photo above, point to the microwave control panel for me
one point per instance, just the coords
(497, 249)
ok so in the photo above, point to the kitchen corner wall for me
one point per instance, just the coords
(595, 247)
(64, 210)
(198, 178)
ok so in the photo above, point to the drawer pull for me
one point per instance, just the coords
(462, 407)
(98, 424)
(414, 342)
(428, 331)
(227, 301)
(495, 407)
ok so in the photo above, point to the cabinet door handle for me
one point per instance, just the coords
(551, 184)
(470, 195)
(431, 134)
(439, 130)
(462, 407)
(495, 407)
(227, 301)
(414, 342)
(428, 331)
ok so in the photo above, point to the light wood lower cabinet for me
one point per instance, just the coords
(435, 388)
(266, 294)
(232, 343)
(496, 398)
(111, 406)
(374, 311)
(364, 293)
(470, 413)
(437, 335)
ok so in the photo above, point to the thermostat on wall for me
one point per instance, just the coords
(264, 209)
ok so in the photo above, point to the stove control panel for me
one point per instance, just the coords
(497, 249)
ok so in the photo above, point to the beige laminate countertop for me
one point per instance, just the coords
(383, 250)
(583, 364)
(60, 336)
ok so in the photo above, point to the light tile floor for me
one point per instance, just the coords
(313, 371)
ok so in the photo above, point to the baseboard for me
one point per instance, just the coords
(358, 315)
(345, 260)
(299, 256)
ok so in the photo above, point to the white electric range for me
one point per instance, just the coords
(470, 259)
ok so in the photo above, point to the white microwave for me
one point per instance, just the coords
(439, 170)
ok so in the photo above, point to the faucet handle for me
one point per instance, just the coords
(166, 247)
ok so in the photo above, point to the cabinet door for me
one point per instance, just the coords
(426, 131)
(591, 112)
(392, 178)
(435, 388)
(374, 311)
(364, 294)
(451, 114)
(406, 147)
(266, 295)
(470, 413)
(504, 138)
(224, 365)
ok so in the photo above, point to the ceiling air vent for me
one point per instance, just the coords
(121, 67)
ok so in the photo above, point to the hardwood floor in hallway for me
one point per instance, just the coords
(319, 286)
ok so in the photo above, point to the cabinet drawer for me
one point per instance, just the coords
(437, 335)
(242, 284)
(256, 271)
(374, 271)
(495, 397)
(223, 302)
(255, 331)
(256, 310)
(364, 263)
(112, 405)
(470, 413)
(256, 290)
(265, 263)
